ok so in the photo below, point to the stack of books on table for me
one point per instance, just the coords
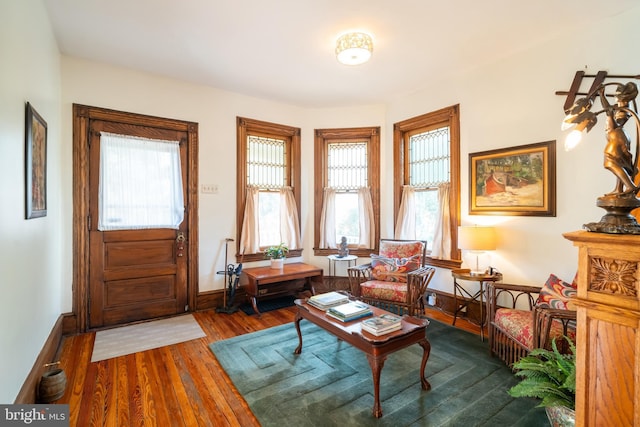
(327, 300)
(383, 324)
(350, 311)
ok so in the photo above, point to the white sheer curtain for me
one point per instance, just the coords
(289, 224)
(328, 219)
(250, 233)
(140, 183)
(406, 223)
(442, 237)
(365, 212)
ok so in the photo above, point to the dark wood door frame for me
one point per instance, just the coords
(82, 117)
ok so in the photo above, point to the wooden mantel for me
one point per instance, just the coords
(608, 338)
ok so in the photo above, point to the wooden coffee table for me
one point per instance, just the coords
(377, 348)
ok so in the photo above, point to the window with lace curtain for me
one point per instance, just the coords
(268, 187)
(140, 184)
(347, 189)
(427, 183)
(428, 163)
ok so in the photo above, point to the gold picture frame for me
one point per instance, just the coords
(514, 181)
(35, 164)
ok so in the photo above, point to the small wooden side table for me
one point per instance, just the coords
(465, 274)
(335, 258)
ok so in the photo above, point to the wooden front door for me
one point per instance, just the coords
(134, 274)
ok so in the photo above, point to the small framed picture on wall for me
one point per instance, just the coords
(36, 164)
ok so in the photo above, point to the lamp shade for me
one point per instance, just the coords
(477, 238)
(354, 48)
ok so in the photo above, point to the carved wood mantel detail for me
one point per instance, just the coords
(613, 276)
(608, 332)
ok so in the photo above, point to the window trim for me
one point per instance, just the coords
(291, 135)
(448, 116)
(322, 139)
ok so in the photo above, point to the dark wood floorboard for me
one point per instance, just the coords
(177, 385)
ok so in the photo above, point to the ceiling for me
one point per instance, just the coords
(283, 50)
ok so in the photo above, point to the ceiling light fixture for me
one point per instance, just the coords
(354, 48)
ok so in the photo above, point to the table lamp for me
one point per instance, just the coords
(477, 240)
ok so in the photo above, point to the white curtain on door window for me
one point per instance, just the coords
(140, 183)
(328, 219)
(289, 224)
(406, 224)
(442, 236)
(365, 213)
(250, 233)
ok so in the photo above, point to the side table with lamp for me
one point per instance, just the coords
(468, 297)
(476, 240)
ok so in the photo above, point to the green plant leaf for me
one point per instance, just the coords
(547, 375)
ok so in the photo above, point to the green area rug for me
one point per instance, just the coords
(330, 383)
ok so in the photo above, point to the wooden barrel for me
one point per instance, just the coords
(52, 386)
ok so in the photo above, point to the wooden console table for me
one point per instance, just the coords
(377, 348)
(267, 282)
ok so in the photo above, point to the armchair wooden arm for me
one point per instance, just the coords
(358, 274)
(543, 318)
(417, 281)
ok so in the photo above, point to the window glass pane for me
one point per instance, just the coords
(426, 215)
(140, 183)
(266, 162)
(269, 218)
(347, 165)
(347, 223)
(429, 158)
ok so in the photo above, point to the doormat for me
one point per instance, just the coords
(268, 305)
(145, 336)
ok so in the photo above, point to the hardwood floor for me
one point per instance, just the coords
(178, 385)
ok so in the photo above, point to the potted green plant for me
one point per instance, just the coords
(277, 254)
(551, 376)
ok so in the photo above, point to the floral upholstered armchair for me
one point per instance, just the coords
(396, 278)
(514, 331)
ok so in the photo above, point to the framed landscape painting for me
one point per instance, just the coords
(35, 164)
(514, 181)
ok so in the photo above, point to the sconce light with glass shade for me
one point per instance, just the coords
(354, 48)
(477, 240)
(620, 158)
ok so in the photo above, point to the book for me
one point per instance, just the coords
(350, 318)
(328, 299)
(350, 311)
(375, 332)
(382, 324)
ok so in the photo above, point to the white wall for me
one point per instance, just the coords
(95, 84)
(31, 257)
(506, 104)
(512, 103)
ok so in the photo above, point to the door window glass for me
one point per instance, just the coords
(140, 183)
